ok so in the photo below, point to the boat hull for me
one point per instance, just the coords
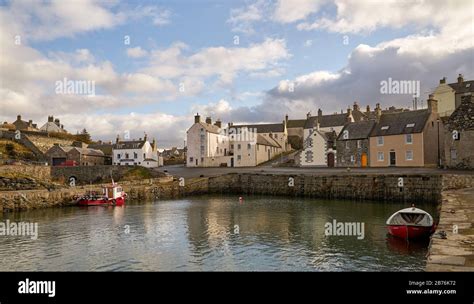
(102, 202)
(410, 232)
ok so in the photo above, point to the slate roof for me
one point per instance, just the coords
(264, 128)
(106, 148)
(357, 130)
(397, 123)
(129, 144)
(462, 118)
(326, 121)
(464, 87)
(210, 128)
(266, 142)
(296, 123)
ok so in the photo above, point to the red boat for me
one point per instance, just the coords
(411, 223)
(112, 195)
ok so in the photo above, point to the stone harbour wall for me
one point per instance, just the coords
(378, 187)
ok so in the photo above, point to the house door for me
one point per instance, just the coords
(196, 161)
(330, 160)
(232, 162)
(363, 160)
(393, 159)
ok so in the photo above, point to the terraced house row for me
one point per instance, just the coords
(392, 137)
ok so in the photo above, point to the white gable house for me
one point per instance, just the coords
(136, 153)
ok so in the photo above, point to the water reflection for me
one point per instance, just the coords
(211, 233)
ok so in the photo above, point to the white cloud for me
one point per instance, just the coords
(288, 11)
(136, 52)
(242, 19)
(159, 16)
(217, 61)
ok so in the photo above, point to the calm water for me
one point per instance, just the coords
(210, 233)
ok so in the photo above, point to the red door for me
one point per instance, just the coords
(330, 160)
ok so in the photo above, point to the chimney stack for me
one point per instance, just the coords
(460, 79)
(18, 117)
(367, 109)
(117, 139)
(50, 118)
(56, 121)
(320, 112)
(378, 111)
(218, 123)
(286, 118)
(208, 120)
(197, 118)
(356, 106)
(308, 115)
(432, 104)
(349, 117)
(442, 81)
(30, 123)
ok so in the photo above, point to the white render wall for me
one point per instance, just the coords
(146, 150)
(319, 152)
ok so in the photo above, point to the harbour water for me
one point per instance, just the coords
(211, 233)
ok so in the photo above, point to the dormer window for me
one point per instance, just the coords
(410, 125)
(384, 128)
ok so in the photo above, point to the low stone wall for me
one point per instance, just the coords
(38, 172)
(416, 188)
(88, 174)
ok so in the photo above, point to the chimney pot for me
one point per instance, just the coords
(197, 118)
(208, 120)
(320, 112)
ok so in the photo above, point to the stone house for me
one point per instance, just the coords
(459, 136)
(78, 152)
(352, 144)
(407, 139)
(23, 125)
(449, 94)
(53, 126)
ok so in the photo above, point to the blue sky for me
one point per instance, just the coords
(174, 42)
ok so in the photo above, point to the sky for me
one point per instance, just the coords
(155, 64)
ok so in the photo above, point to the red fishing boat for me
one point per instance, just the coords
(411, 223)
(112, 195)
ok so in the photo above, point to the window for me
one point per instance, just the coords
(347, 145)
(191, 159)
(271, 135)
(359, 144)
(248, 147)
(144, 155)
(408, 138)
(384, 128)
(409, 155)
(202, 150)
(380, 156)
(135, 155)
(118, 156)
(410, 125)
(217, 150)
(239, 157)
(352, 158)
(454, 154)
(309, 156)
(238, 147)
(232, 147)
(380, 141)
(126, 156)
(276, 136)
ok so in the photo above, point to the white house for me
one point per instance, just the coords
(136, 153)
(209, 145)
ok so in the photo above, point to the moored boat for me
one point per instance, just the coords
(112, 195)
(411, 223)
